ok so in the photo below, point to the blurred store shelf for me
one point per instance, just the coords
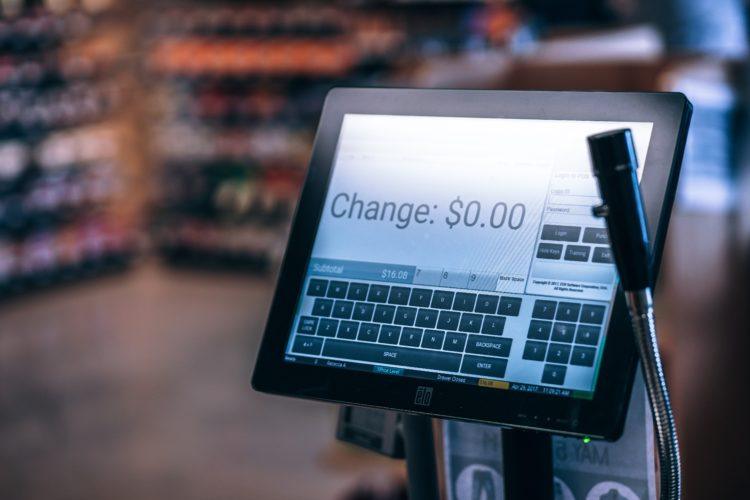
(65, 209)
(184, 127)
(239, 91)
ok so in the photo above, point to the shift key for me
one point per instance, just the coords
(402, 356)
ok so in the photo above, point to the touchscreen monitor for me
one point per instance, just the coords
(461, 250)
(444, 259)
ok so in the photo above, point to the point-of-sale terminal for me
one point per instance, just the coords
(445, 261)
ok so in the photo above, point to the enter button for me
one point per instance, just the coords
(478, 365)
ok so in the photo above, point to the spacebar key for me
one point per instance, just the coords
(373, 353)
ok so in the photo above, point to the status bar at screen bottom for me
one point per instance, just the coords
(440, 377)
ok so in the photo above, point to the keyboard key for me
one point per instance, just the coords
(337, 289)
(405, 316)
(378, 293)
(427, 318)
(487, 304)
(577, 253)
(454, 342)
(583, 356)
(597, 235)
(363, 311)
(509, 306)
(433, 339)
(558, 353)
(420, 297)
(384, 314)
(399, 295)
(348, 330)
(411, 337)
(368, 332)
(470, 323)
(493, 325)
(534, 351)
(587, 334)
(307, 325)
(391, 355)
(357, 291)
(442, 300)
(552, 251)
(568, 311)
(563, 332)
(491, 346)
(328, 327)
(603, 255)
(322, 307)
(427, 276)
(539, 330)
(544, 309)
(560, 233)
(317, 288)
(454, 278)
(489, 367)
(448, 320)
(554, 374)
(592, 314)
(464, 302)
(482, 281)
(342, 309)
(389, 334)
(307, 345)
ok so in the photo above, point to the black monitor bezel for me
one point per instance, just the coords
(600, 417)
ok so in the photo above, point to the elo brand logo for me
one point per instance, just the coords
(423, 396)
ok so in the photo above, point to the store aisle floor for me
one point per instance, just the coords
(137, 386)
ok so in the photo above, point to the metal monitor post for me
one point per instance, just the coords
(527, 465)
(482, 461)
(527, 461)
(421, 462)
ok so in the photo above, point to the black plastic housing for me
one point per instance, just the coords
(615, 164)
(603, 416)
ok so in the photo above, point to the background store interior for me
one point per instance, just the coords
(151, 154)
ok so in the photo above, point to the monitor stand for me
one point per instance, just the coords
(485, 462)
(527, 463)
(423, 482)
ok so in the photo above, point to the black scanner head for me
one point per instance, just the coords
(614, 164)
(611, 150)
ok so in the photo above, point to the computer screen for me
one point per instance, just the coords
(462, 250)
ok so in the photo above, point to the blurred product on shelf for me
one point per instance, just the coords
(277, 57)
(84, 248)
(63, 178)
(37, 71)
(34, 29)
(209, 244)
(28, 111)
(262, 142)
